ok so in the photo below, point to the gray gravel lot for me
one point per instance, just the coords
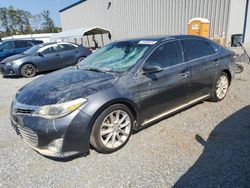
(207, 145)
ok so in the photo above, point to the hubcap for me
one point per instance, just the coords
(115, 129)
(28, 70)
(222, 87)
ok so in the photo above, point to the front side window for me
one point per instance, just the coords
(116, 57)
(7, 46)
(194, 49)
(49, 49)
(167, 55)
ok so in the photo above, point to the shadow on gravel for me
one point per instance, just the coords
(225, 161)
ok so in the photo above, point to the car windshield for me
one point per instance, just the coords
(33, 49)
(115, 57)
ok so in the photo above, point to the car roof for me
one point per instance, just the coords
(9, 40)
(51, 43)
(160, 38)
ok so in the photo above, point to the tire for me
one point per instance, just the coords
(108, 137)
(79, 59)
(221, 88)
(28, 70)
(239, 68)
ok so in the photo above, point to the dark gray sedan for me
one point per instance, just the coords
(43, 57)
(120, 88)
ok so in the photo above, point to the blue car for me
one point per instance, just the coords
(43, 57)
(12, 47)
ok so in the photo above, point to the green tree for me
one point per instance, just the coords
(48, 22)
(4, 19)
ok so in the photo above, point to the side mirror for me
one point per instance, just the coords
(40, 54)
(151, 68)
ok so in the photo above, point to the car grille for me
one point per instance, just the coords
(24, 111)
(28, 135)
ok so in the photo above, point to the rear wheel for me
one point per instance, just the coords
(28, 70)
(112, 129)
(221, 87)
(80, 59)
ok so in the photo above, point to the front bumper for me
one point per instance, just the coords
(8, 70)
(59, 138)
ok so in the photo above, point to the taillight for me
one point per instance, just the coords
(233, 56)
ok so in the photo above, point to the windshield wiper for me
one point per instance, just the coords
(92, 69)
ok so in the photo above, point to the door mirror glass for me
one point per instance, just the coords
(39, 53)
(151, 68)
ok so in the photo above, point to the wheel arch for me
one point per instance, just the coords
(25, 63)
(132, 107)
(228, 74)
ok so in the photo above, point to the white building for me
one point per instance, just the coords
(135, 18)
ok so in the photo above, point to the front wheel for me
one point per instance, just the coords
(221, 88)
(112, 129)
(28, 70)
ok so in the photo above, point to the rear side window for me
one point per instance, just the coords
(22, 44)
(167, 55)
(35, 42)
(194, 49)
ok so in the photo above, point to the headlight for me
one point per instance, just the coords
(59, 110)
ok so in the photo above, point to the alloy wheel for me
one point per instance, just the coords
(222, 86)
(28, 70)
(115, 129)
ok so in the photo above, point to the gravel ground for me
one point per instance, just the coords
(207, 145)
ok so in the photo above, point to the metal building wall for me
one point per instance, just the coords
(134, 18)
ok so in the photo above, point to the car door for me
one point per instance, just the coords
(203, 60)
(49, 58)
(162, 91)
(7, 49)
(68, 54)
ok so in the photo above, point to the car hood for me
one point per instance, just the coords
(64, 85)
(13, 58)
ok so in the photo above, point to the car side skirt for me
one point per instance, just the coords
(169, 112)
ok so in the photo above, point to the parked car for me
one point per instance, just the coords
(12, 47)
(120, 88)
(43, 57)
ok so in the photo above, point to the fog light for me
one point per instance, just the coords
(56, 145)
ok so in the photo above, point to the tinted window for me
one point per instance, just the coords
(50, 49)
(196, 48)
(21, 44)
(215, 47)
(66, 47)
(35, 42)
(7, 46)
(166, 55)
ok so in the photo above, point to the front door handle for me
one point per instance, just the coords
(216, 62)
(184, 74)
